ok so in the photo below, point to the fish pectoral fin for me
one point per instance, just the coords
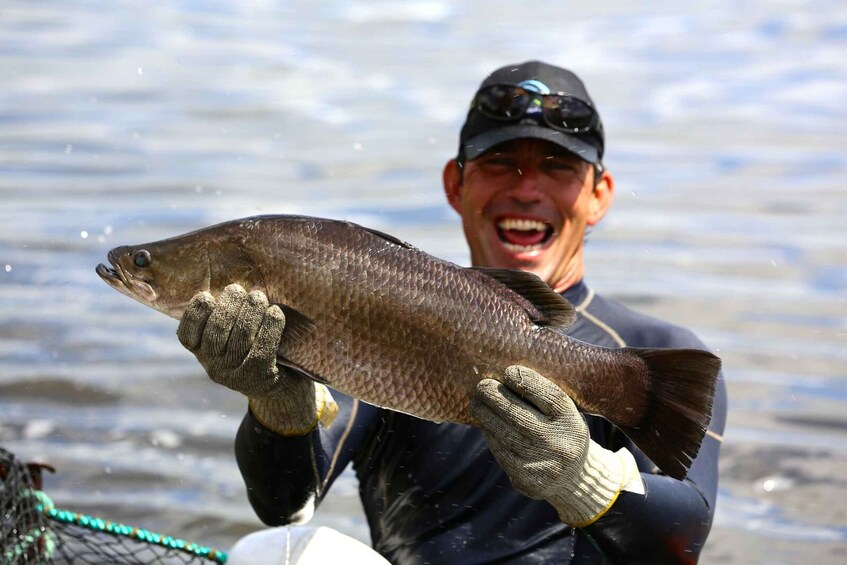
(290, 366)
(544, 305)
(298, 326)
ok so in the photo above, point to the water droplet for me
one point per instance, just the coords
(37, 429)
(8, 268)
(774, 484)
(140, 71)
(358, 146)
(107, 230)
(83, 234)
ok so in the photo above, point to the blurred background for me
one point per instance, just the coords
(123, 122)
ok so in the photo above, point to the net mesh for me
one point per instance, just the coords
(33, 531)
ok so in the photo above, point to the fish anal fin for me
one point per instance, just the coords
(545, 306)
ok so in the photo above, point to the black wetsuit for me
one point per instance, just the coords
(433, 493)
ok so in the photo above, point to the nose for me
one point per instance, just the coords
(527, 187)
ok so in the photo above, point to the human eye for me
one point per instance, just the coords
(564, 170)
(500, 161)
(560, 165)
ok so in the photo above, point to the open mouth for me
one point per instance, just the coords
(109, 274)
(106, 273)
(524, 235)
(125, 282)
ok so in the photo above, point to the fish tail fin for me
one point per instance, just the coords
(679, 406)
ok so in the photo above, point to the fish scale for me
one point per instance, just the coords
(375, 318)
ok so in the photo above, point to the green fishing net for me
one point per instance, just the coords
(34, 531)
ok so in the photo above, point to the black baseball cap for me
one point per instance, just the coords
(481, 133)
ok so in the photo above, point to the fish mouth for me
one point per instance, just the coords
(124, 282)
(114, 275)
(522, 235)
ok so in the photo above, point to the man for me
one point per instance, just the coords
(538, 482)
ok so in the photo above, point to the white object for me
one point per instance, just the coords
(301, 545)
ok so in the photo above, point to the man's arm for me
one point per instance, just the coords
(541, 441)
(286, 449)
(671, 521)
(287, 476)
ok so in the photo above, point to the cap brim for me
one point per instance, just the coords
(478, 145)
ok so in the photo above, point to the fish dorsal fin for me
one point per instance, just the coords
(546, 307)
(385, 236)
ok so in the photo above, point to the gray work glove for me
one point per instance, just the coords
(541, 441)
(235, 338)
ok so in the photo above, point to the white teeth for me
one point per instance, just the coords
(521, 224)
(515, 248)
(525, 225)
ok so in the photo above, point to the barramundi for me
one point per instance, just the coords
(380, 320)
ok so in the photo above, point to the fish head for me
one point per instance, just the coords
(165, 275)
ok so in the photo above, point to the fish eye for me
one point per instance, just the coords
(142, 258)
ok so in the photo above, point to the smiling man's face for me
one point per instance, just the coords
(525, 204)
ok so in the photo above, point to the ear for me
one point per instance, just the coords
(452, 179)
(601, 198)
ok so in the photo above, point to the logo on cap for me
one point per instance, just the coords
(538, 87)
(535, 86)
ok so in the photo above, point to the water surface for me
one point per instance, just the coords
(130, 121)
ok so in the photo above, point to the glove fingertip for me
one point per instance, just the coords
(258, 299)
(201, 302)
(486, 386)
(233, 296)
(535, 388)
(194, 319)
(274, 319)
(520, 378)
(234, 288)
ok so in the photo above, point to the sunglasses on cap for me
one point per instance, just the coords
(507, 102)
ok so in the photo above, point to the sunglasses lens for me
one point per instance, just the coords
(569, 114)
(502, 102)
(509, 102)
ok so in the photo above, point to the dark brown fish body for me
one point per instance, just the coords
(381, 321)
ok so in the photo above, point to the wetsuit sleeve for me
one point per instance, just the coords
(670, 522)
(287, 477)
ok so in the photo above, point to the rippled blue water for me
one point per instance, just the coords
(131, 121)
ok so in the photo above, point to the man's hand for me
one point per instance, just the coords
(235, 339)
(542, 443)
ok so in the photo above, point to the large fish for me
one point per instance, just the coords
(377, 319)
